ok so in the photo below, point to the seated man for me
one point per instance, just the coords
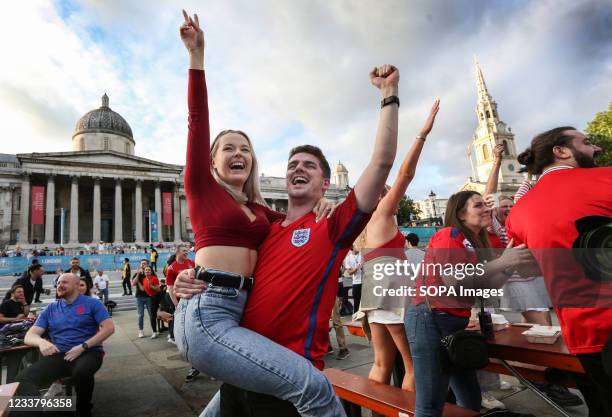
(77, 326)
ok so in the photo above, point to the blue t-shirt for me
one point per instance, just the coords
(70, 325)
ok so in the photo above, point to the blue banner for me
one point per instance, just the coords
(108, 262)
(154, 226)
(10, 266)
(424, 233)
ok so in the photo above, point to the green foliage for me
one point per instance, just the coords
(407, 211)
(600, 131)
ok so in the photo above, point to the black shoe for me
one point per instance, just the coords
(192, 374)
(559, 394)
(37, 301)
(343, 354)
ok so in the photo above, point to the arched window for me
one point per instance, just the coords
(488, 114)
(106, 144)
(481, 116)
(506, 152)
(485, 152)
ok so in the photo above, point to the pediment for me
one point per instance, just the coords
(95, 158)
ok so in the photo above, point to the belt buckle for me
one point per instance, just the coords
(241, 283)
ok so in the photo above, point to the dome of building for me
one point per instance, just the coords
(103, 129)
(105, 120)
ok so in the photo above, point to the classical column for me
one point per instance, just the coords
(24, 225)
(158, 210)
(177, 214)
(138, 211)
(50, 212)
(97, 212)
(74, 211)
(118, 214)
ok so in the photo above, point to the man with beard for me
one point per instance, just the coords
(545, 219)
(77, 325)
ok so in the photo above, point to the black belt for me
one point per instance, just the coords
(224, 279)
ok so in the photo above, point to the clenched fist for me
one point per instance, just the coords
(385, 77)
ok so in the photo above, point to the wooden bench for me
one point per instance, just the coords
(6, 393)
(356, 391)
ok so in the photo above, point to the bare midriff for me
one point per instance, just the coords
(228, 258)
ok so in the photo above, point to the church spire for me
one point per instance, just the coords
(486, 108)
(482, 87)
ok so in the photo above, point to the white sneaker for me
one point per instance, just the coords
(489, 401)
(140, 333)
(171, 340)
(154, 335)
(55, 389)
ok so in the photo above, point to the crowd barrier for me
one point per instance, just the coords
(109, 262)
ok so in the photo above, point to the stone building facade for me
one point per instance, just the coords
(102, 191)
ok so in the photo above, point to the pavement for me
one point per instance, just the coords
(146, 377)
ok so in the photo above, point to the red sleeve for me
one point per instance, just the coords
(170, 275)
(273, 215)
(197, 168)
(347, 222)
(512, 234)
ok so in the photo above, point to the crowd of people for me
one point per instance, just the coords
(254, 308)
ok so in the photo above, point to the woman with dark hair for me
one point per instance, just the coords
(84, 287)
(463, 241)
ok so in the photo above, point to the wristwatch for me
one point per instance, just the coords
(390, 100)
(85, 346)
(508, 272)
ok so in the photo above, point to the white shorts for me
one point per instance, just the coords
(384, 317)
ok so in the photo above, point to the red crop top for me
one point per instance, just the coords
(394, 247)
(216, 218)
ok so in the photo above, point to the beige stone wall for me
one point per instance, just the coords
(101, 142)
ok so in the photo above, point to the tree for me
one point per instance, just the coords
(407, 211)
(600, 132)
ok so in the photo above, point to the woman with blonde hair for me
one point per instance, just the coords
(230, 220)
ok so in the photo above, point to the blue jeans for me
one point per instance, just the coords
(104, 295)
(431, 375)
(141, 304)
(208, 335)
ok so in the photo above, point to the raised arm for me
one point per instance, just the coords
(390, 203)
(491, 186)
(372, 180)
(197, 167)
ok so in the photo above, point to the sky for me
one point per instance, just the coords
(290, 72)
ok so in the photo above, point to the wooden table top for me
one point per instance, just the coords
(16, 348)
(510, 344)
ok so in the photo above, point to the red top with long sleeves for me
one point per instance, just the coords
(216, 217)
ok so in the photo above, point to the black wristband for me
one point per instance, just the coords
(390, 100)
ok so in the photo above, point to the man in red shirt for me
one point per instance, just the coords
(181, 263)
(298, 263)
(545, 219)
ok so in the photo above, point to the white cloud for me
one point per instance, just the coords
(294, 72)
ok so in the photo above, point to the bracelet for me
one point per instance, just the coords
(423, 138)
(390, 100)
